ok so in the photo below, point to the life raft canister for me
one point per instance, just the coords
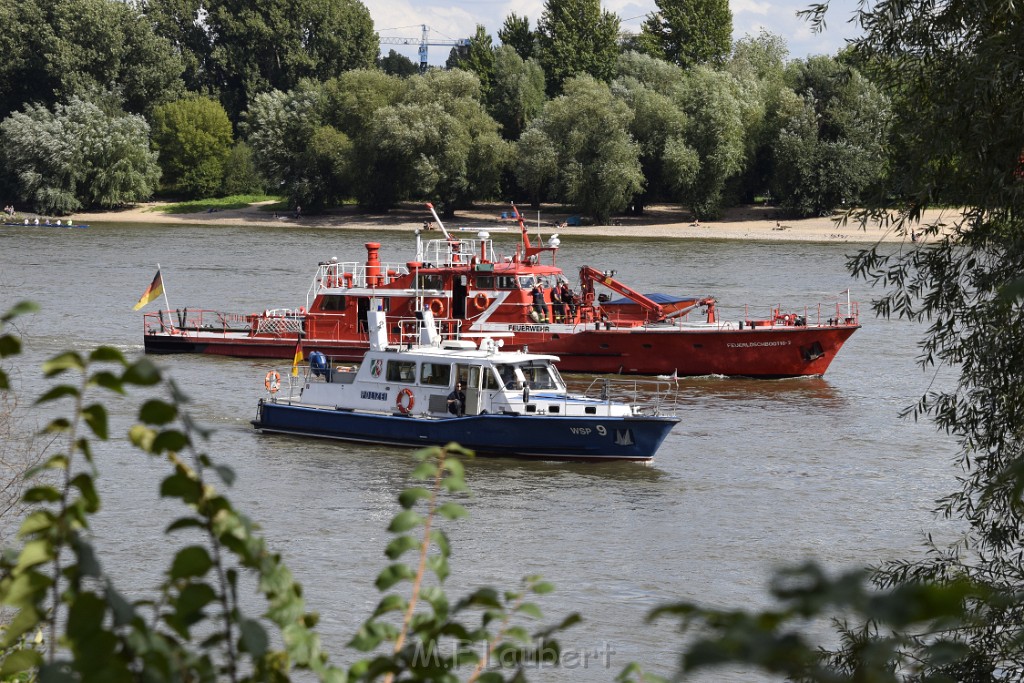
(405, 401)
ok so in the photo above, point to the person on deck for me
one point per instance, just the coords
(567, 300)
(540, 306)
(457, 401)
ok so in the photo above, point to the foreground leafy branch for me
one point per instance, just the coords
(71, 623)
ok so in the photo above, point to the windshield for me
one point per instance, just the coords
(541, 375)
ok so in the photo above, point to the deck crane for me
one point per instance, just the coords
(424, 40)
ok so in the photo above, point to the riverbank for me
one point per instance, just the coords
(663, 221)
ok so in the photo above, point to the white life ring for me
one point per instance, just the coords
(273, 381)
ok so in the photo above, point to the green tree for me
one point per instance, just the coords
(295, 149)
(478, 58)
(576, 37)
(438, 143)
(193, 139)
(712, 103)
(952, 613)
(758, 63)
(597, 162)
(653, 73)
(275, 44)
(175, 22)
(395, 64)
(241, 177)
(79, 156)
(833, 148)
(515, 32)
(689, 32)
(24, 76)
(51, 55)
(518, 93)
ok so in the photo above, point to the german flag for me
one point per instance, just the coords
(297, 360)
(155, 289)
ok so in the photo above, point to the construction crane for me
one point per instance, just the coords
(424, 40)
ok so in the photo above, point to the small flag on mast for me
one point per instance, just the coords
(297, 360)
(155, 289)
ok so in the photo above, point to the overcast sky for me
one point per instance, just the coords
(459, 18)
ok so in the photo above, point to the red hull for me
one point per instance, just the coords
(766, 352)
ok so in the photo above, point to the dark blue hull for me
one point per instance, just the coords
(547, 437)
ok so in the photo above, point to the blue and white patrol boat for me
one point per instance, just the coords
(515, 403)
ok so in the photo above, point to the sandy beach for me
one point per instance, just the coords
(663, 221)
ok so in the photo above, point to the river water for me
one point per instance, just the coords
(757, 475)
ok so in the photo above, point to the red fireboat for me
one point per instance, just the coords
(525, 300)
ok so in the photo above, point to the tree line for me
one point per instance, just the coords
(105, 103)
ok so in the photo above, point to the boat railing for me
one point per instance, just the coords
(349, 274)
(449, 329)
(184, 320)
(458, 252)
(279, 321)
(650, 396)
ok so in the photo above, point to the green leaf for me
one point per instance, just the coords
(180, 486)
(142, 373)
(36, 521)
(35, 553)
(542, 587)
(226, 474)
(95, 416)
(451, 510)
(107, 354)
(191, 561)
(59, 425)
(409, 496)
(400, 545)
(59, 391)
(439, 565)
(9, 346)
(18, 661)
(390, 603)
(20, 308)
(69, 360)
(530, 609)
(425, 470)
(169, 441)
(184, 523)
(156, 412)
(404, 521)
(392, 574)
(253, 638)
(84, 483)
(107, 380)
(42, 494)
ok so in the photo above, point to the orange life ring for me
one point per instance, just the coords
(403, 407)
(481, 301)
(273, 381)
(437, 308)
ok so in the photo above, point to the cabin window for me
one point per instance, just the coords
(491, 382)
(485, 282)
(436, 374)
(333, 302)
(429, 281)
(401, 371)
(526, 281)
(469, 375)
(538, 377)
(507, 376)
(507, 282)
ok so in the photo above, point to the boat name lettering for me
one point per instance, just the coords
(747, 345)
(580, 430)
(374, 395)
(529, 328)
